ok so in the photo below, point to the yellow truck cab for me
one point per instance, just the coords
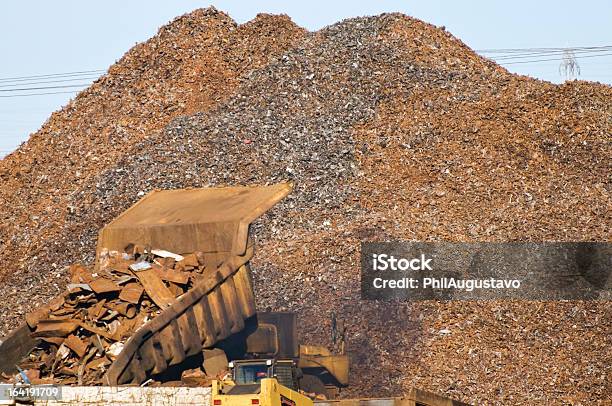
(266, 382)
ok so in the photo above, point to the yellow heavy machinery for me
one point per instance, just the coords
(274, 336)
(269, 382)
(265, 382)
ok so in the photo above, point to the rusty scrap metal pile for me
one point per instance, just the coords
(392, 129)
(83, 330)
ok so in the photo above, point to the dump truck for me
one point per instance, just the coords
(217, 313)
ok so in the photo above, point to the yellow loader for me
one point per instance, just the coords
(260, 382)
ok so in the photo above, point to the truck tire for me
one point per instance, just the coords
(312, 384)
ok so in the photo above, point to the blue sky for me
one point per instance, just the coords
(48, 37)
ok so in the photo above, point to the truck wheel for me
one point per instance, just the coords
(313, 385)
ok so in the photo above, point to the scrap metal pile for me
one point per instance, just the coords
(391, 129)
(83, 330)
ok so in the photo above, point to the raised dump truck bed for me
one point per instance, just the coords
(211, 311)
(212, 221)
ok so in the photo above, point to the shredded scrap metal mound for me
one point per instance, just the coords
(391, 129)
(192, 64)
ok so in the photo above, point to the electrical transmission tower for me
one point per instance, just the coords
(569, 66)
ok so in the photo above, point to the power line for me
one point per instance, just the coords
(43, 88)
(541, 54)
(552, 52)
(51, 75)
(554, 59)
(23, 81)
(49, 81)
(513, 56)
(37, 94)
(510, 50)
